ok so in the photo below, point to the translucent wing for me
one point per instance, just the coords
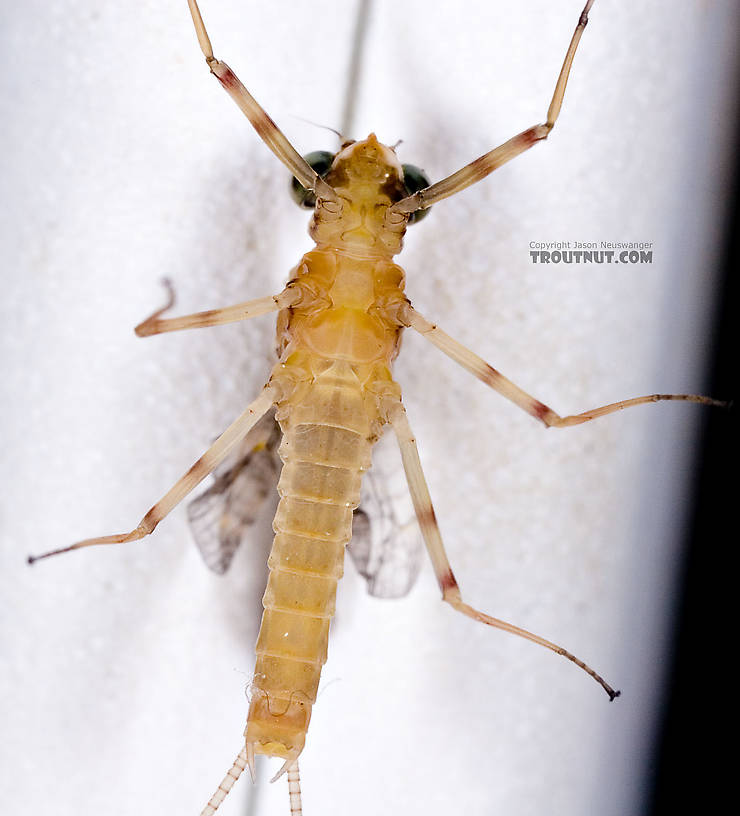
(220, 516)
(386, 543)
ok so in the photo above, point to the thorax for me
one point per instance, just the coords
(348, 308)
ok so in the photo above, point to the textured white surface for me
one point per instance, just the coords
(125, 669)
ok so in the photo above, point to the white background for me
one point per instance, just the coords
(125, 669)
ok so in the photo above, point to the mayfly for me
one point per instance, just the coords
(398, 419)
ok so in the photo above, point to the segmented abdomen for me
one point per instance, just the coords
(326, 447)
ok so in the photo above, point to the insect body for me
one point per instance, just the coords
(340, 319)
(334, 382)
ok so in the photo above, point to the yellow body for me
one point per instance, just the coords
(336, 346)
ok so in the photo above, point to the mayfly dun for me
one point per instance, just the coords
(432, 364)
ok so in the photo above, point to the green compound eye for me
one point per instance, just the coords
(414, 180)
(320, 161)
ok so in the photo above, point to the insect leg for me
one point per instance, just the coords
(488, 162)
(486, 373)
(267, 130)
(433, 539)
(210, 459)
(214, 317)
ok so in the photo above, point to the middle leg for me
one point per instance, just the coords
(154, 324)
(487, 374)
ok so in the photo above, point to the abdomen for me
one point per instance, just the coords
(326, 447)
